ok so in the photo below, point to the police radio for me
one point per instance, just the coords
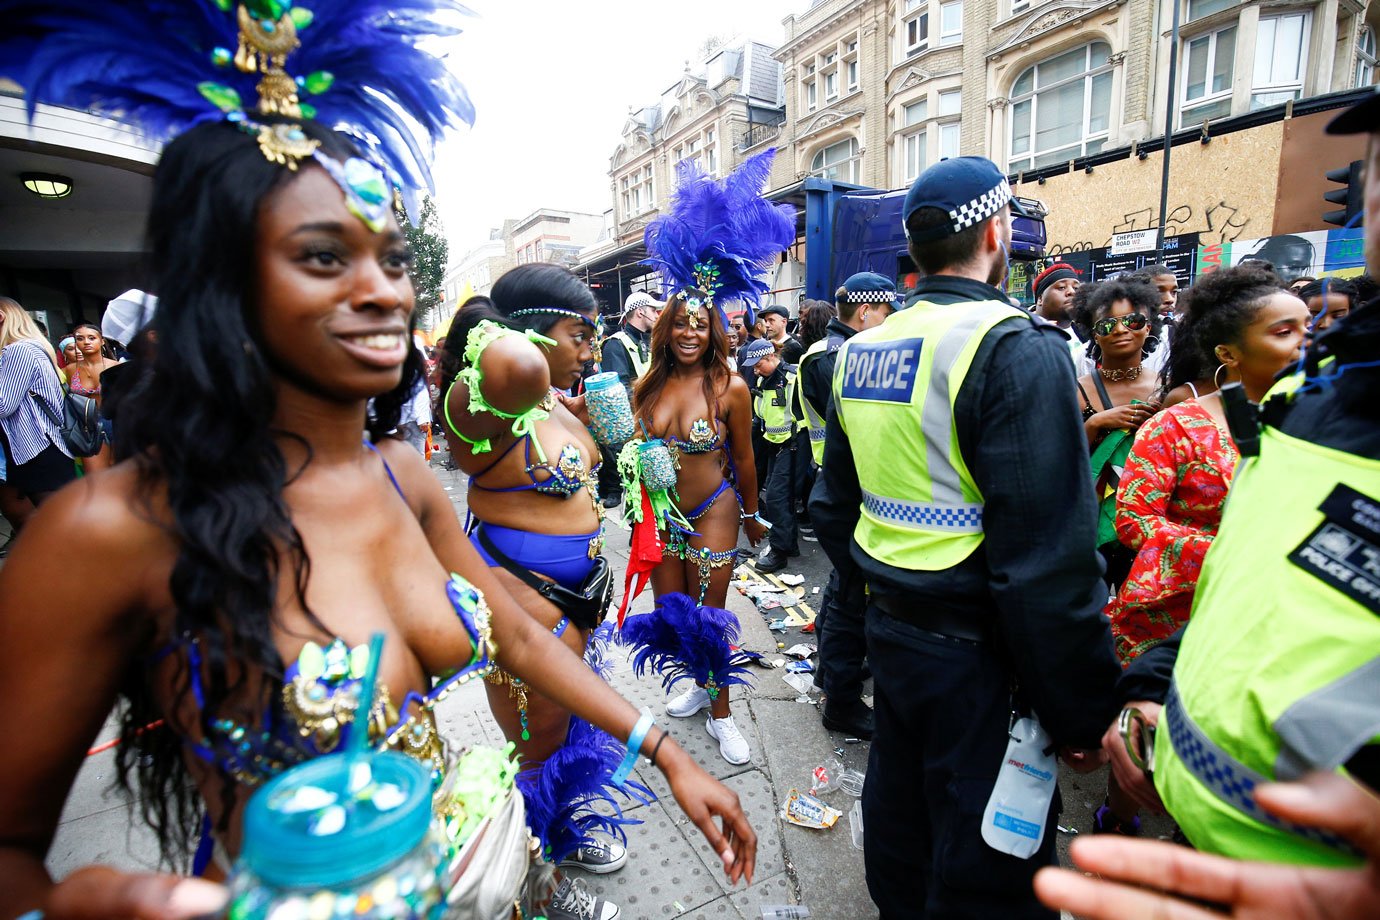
(1243, 419)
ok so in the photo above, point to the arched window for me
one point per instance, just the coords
(1365, 57)
(1061, 108)
(839, 161)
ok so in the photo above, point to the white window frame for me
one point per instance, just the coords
(1366, 57)
(1187, 107)
(1291, 86)
(811, 96)
(1092, 70)
(950, 36)
(950, 139)
(920, 19)
(711, 152)
(1019, 6)
(852, 164)
(1215, 6)
(831, 85)
(912, 123)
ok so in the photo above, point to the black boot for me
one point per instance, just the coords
(855, 720)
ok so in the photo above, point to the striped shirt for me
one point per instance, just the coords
(25, 368)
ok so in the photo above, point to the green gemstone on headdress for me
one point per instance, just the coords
(225, 5)
(318, 81)
(272, 10)
(301, 17)
(366, 180)
(221, 96)
(220, 57)
(308, 111)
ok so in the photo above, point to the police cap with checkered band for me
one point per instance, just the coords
(968, 189)
(868, 287)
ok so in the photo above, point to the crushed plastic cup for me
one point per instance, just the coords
(825, 777)
(851, 782)
(855, 824)
(800, 683)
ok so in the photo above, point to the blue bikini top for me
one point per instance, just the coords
(320, 698)
(563, 478)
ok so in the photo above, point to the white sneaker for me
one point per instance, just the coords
(688, 703)
(733, 747)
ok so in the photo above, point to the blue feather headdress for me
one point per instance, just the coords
(718, 237)
(164, 65)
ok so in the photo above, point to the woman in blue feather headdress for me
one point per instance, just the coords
(264, 527)
(712, 247)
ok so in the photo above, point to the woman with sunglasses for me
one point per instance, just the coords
(1118, 396)
(1181, 464)
(536, 517)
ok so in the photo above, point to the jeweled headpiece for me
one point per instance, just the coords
(165, 65)
(720, 236)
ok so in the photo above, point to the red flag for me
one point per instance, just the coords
(645, 555)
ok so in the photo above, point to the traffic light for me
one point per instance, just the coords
(1350, 197)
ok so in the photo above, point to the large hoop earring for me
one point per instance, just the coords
(1217, 374)
(1151, 343)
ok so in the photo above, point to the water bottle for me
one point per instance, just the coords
(658, 470)
(344, 835)
(1018, 809)
(610, 411)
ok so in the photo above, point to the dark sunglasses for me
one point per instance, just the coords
(1134, 321)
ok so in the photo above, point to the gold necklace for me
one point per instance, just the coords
(1131, 373)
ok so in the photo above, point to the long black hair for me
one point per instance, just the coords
(203, 443)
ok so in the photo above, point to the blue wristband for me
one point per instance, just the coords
(639, 734)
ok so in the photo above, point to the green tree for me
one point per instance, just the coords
(427, 240)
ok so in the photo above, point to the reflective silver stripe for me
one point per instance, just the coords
(1322, 730)
(1225, 777)
(926, 516)
(936, 423)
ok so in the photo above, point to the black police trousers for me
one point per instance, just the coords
(942, 712)
(842, 641)
(783, 490)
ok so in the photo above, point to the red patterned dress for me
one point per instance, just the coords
(1169, 505)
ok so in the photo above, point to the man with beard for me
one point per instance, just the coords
(956, 485)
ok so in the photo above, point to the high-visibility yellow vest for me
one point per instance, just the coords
(814, 418)
(1279, 670)
(773, 407)
(639, 363)
(894, 391)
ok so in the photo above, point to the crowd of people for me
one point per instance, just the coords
(1137, 523)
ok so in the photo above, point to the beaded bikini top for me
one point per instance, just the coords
(704, 438)
(320, 699)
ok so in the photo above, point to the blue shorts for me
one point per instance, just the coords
(563, 558)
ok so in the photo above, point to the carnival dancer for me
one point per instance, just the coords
(710, 247)
(536, 518)
(259, 530)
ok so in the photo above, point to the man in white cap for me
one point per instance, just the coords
(627, 353)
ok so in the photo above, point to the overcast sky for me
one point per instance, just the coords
(552, 83)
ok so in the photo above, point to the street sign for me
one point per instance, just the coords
(1132, 241)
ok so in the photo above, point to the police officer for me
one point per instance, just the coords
(955, 482)
(772, 408)
(864, 301)
(1278, 672)
(626, 353)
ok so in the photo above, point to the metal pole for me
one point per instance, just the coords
(1168, 130)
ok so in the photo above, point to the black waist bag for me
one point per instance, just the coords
(585, 608)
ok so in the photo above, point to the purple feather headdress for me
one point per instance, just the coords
(720, 236)
(164, 65)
